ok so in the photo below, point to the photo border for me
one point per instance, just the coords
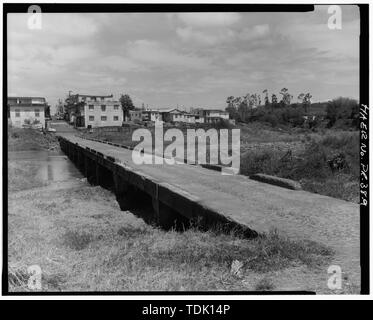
(143, 8)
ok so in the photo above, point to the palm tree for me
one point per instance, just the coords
(266, 99)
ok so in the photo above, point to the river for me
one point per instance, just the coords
(51, 166)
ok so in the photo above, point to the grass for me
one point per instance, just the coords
(265, 284)
(311, 167)
(82, 241)
(76, 240)
(30, 139)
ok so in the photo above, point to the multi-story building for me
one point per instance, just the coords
(26, 111)
(94, 111)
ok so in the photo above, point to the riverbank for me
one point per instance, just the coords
(31, 139)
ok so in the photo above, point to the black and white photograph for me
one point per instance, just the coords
(185, 149)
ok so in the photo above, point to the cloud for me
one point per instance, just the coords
(155, 55)
(57, 28)
(209, 19)
(256, 32)
(332, 41)
(184, 58)
(205, 37)
(221, 35)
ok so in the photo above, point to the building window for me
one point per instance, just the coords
(103, 118)
(116, 118)
(103, 107)
(91, 107)
(18, 113)
(37, 113)
(91, 118)
(116, 107)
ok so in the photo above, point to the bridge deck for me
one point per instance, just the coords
(259, 206)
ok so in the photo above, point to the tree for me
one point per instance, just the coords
(230, 101)
(306, 101)
(253, 101)
(266, 99)
(286, 97)
(127, 104)
(274, 100)
(241, 107)
(231, 108)
(301, 97)
(47, 111)
(342, 108)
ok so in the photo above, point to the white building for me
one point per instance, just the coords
(94, 111)
(215, 113)
(26, 111)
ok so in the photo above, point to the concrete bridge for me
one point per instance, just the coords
(150, 195)
(176, 195)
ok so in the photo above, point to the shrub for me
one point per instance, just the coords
(286, 115)
(262, 161)
(343, 108)
(222, 124)
(14, 135)
(291, 115)
(346, 144)
(312, 164)
(329, 165)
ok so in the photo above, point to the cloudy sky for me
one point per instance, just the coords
(185, 59)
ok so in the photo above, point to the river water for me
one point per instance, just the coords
(51, 166)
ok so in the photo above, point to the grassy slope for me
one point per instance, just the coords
(29, 139)
(82, 241)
